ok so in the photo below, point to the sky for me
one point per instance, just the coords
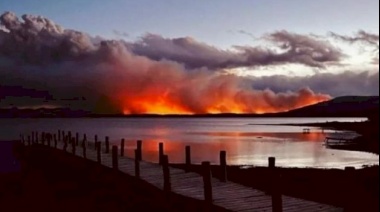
(186, 56)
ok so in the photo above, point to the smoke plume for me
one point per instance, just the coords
(41, 63)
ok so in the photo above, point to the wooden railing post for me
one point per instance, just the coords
(115, 164)
(207, 181)
(187, 158)
(139, 150)
(98, 152)
(137, 164)
(107, 144)
(122, 147)
(166, 172)
(223, 166)
(275, 186)
(160, 152)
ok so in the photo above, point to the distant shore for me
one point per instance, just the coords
(368, 130)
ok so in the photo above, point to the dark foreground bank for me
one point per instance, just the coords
(356, 191)
(52, 180)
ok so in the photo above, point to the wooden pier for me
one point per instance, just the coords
(220, 192)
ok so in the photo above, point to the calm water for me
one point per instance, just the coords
(247, 140)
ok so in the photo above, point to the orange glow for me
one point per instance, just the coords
(163, 105)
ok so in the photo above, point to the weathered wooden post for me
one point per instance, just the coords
(351, 201)
(223, 166)
(73, 146)
(98, 152)
(37, 140)
(137, 164)
(55, 141)
(84, 150)
(76, 139)
(43, 138)
(96, 140)
(107, 144)
(207, 182)
(122, 147)
(187, 158)
(65, 144)
(139, 150)
(63, 135)
(84, 141)
(166, 172)
(29, 142)
(275, 186)
(59, 135)
(160, 152)
(115, 164)
(49, 138)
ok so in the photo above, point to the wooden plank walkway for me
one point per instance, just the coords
(229, 195)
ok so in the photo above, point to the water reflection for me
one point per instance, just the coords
(246, 140)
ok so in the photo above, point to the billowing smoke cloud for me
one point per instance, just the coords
(292, 48)
(43, 64)
(346, 83)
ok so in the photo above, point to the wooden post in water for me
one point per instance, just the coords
(122, 147)
(187, 158)
(73, 146)
(76, 139)
(29, 140)
(137, 164)
(37, 137)
(49, 138)
(43, 138)
(96, 140)
(115, 164)
(59, 135)
(63, 135)
(207, 182)
(275, 186)
(223, 166)
(107, 144)
(98, 151)
(84, 150)
(166, 172)
(84, 141)
(139, 150)
(55, 141)
(65, 144)
(160, 152)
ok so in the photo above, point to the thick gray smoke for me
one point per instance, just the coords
(294, 48)
(41, 63)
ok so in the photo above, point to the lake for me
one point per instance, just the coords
(248, 141)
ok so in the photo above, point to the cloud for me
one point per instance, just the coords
(346, 83)
(293, 48)
(361, 36)
(49, 65)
